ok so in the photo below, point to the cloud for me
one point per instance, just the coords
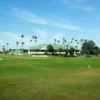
(83, 8)
(33, 18)
(65, 26)
(25, 15)
(78, 4)
(80, 1)
(71, 1)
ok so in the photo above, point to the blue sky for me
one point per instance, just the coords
(49, 19)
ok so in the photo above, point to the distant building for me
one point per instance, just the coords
(42, 48)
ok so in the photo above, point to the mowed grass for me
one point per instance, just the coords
(52, 78)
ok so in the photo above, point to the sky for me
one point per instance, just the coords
(49, 20)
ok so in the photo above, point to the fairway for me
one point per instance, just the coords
(51, 78)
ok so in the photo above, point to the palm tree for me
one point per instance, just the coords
(72, 39)
(30, 45)
(64, 41)
(67, 49)
(58, 41)
(67, 46)
(82, 40)
(76, 47)
(3, 48)
(55, 40)
(71, 43)
(22, 36)
(76, 40)
(35, 39)
(30, 41)
(7, 45)
(17, 43)
(22, 44)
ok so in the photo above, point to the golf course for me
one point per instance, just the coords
(50, 78)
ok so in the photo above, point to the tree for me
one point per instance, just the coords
(71, 51)
(71, 42)
(66, 52)
(72, 39)
(88, 47)
(50, 48)
(58, 41)
(22, 36)
(96, 50)
(17, 43)
(64, 41)
(7, 45)
(34, 38)
(30, 45)
(76, 40)
(3, 48)
(55, 41)
(81, 41)
(67, 46)
(60, 50)
(30, 42)
(22, 43)
(76, 47)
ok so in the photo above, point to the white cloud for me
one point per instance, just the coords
(80, 0)
(63, 25)
(83, 8)
(25, 15)
(71, 1)
(78, 4)
(71, 27)
(33, 18)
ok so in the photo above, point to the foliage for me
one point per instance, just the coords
(89, 48)
(60, 50)
(50, 48)
(71, 51)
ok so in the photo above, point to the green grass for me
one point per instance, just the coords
(52, 78)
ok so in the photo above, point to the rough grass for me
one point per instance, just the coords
(52, 78)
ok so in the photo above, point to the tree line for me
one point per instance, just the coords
(80, 47)
(88, 47)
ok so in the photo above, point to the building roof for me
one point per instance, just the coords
(44, 46)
